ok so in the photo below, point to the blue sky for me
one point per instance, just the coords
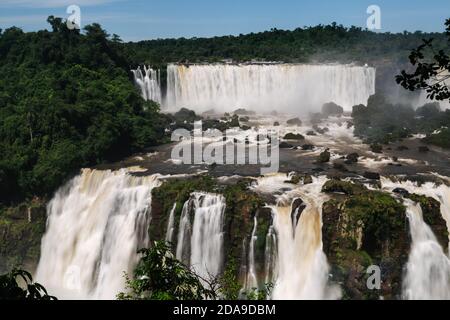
(149, 19)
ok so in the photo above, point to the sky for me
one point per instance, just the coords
(135, 20)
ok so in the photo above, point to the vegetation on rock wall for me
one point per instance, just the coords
(241, 207)
(361, 229)
(384, 122)
(431, 210)
(21, 230)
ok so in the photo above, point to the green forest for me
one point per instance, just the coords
(322, 43)
(67, 101)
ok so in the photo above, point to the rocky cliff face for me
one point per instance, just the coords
(361, 228)
(241, 207)
(21, 230)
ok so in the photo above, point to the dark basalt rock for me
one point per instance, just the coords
(402, 148)
(293, 136)
(324, 157)
(401, 191)
(332, 109)
(297, 178)
(320, 130)
(352, 158)
(285, 145)
(423, 149)
(346, 187)
(311, 133)
(307, 179)
(371, 175)
(276, 124)
(339, 166)
(297, 208)
(307, 147)
(376, 148)
(294, 122)
(244, 112)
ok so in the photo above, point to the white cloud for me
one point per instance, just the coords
(52, 3)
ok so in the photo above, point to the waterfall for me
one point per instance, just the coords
(206, 234)
(149, 84)
(302, 266)
(439, 192)
(184, 234)
(293, 88)
(270, 256)
(96, 223)
(170, 224)
(428, 267)
(251, 282)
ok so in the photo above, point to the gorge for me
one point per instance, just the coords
(307, 232)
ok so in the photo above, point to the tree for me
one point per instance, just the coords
(160, 276)
(67, 101)
(11, 290)
(430, 75)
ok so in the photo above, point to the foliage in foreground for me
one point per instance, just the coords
(11, 290)
(160, 276)
(430, 74)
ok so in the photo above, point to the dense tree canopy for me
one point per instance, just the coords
(319, 43)
(66, 101)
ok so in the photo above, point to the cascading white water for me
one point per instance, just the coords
(206, 237)
(149, 83)
(428, 267)
(439, 192)
(292, 88)
(184, 234)
(96, 223)
(270, 256)
(252, 281)
(170, 224)
(302, 266)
